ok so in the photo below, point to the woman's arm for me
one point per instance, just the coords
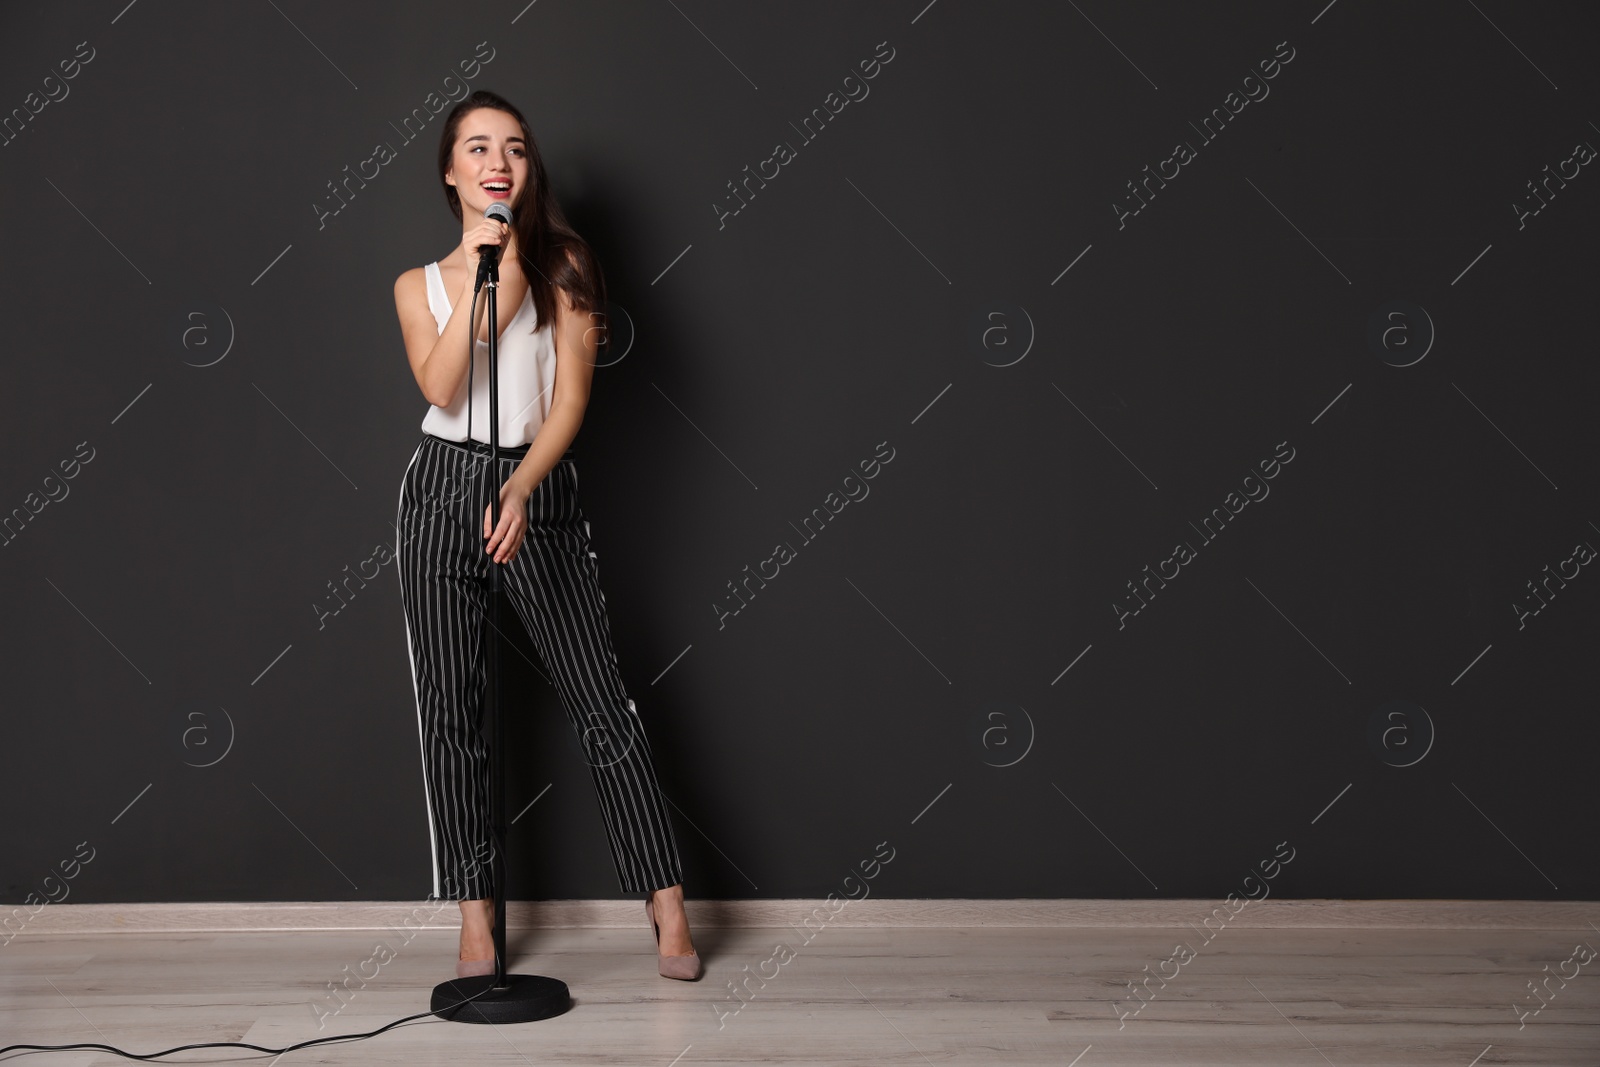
(438, 360)
(575, 334)
(576, 339)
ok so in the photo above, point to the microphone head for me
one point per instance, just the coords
(498, 210)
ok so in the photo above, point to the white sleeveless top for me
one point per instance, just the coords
(527, 361)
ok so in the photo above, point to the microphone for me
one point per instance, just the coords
(490, 254)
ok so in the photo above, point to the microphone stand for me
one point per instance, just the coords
(500, 997)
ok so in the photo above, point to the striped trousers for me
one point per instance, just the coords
(553, 585)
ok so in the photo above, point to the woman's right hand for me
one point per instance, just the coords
(488, 232)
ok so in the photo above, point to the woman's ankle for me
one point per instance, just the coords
(477, 913)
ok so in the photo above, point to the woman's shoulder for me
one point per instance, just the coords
(411, 291)
(415, 280)
(413, 275)
(410, 282)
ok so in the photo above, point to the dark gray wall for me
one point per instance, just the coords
(1338, 673)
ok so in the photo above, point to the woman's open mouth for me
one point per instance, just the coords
(497, 189)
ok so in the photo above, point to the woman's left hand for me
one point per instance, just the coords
(506, 537)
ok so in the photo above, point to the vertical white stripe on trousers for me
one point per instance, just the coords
(402, 538)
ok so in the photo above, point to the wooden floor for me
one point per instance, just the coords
(874, 996)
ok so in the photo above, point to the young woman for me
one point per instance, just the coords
(550, 287)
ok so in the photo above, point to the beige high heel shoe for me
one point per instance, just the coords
(468, 968)
(686, 967)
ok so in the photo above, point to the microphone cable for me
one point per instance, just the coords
(241, 1044)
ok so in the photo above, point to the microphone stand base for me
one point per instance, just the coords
(524, 998)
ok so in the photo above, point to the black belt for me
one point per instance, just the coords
(479, 448)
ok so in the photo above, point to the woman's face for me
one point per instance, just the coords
(490, 161)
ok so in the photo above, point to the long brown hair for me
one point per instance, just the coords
(551, 251)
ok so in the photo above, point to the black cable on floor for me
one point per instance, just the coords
(242, 1044)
